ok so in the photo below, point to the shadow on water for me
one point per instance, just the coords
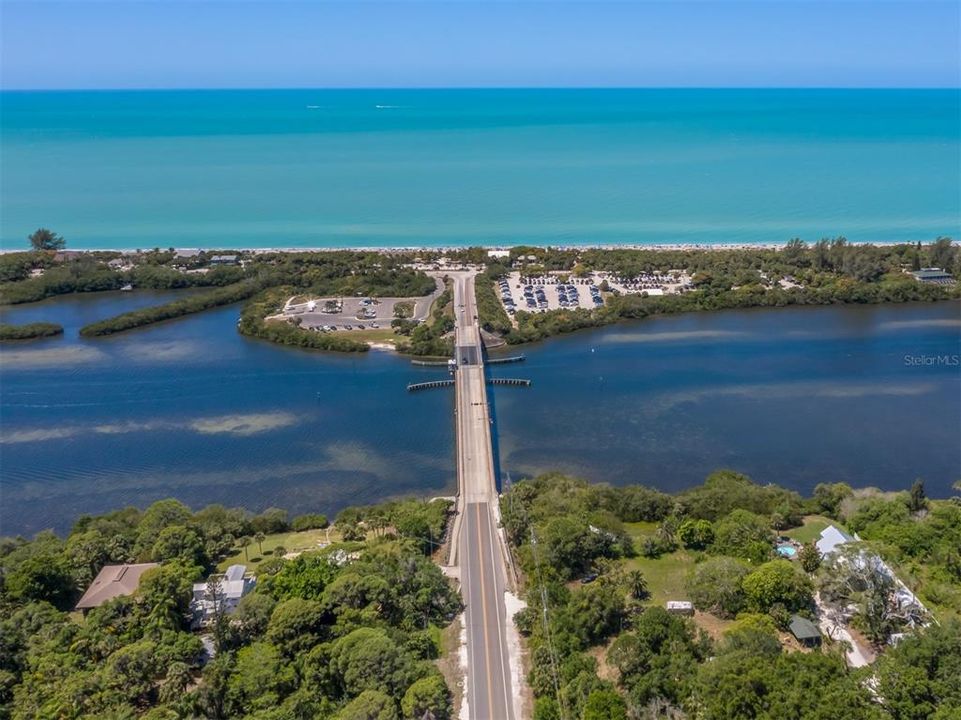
(492, 409)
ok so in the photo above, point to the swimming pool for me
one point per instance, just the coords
(787, 551)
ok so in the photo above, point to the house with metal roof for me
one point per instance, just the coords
(220, 594)
(805, 631)
(831, 538)
(113, 581)
(936, 276)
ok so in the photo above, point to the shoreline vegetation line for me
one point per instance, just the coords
(626, 283)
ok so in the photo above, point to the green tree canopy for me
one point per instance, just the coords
(715, 586)
(260, 678)
(44, 239)
(778, 581)
(297, 625)
(744, 535)
(369, 705)
(427, 695)
(367, 659)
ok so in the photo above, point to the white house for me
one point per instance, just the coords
(229, 588)
(831, 538)
(907, 603)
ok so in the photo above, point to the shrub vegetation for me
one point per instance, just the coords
(30, 331)
(321, 636)
(562, 529)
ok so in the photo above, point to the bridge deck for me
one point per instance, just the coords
(483, 572)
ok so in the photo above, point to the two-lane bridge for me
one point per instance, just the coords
(481, 553)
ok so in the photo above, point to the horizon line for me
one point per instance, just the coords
(480, 87)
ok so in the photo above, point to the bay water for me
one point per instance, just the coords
(191, 409)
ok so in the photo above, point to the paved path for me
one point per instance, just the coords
(480, 552)
(855, 654)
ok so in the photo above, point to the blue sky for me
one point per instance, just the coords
(275, 43)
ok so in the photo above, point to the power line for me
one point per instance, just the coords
(508, 486)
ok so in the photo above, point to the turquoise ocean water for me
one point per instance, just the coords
(334, 168)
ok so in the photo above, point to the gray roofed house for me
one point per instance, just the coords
(229, 589)
(936, 276)
(805, 631)
(113, 581)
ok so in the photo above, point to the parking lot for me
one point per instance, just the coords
(544, 293)
(352, 313)
(653, 283)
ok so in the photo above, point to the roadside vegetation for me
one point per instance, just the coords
(347, 631)
(429, 338)
(490, 312)
(31, 331)
(600, 563)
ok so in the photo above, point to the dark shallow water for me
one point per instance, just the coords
(192, 410)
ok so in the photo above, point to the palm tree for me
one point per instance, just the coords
(43, 239)
(637, 585)
(668, 531)
(244, 542)
(178, 679)
(259, 537)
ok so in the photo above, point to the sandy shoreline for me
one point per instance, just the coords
(452, 248)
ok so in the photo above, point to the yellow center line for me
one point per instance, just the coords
(487, 653)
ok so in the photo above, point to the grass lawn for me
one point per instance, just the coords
(810, 531)
(711, 624)
(640, 530)
(291, 542)
(378, 335)
(665, 575)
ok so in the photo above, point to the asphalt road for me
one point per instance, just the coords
(488, 674)
(483, 574)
